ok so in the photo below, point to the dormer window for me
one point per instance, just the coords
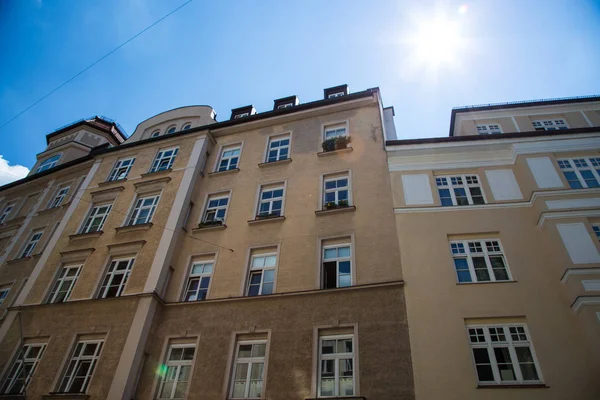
(48, 163)
(171, 130)
(286, 105)
(242, 115)
(336, 91)
(285, 102)
(155, 134)
(242, 112)
(186, 127)
(338, 94)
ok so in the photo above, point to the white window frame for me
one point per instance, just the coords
(335, 128)
(262, 270)
(8, 208)
(34, 239)
(487, 252)
(489, 129)
(271, 188)
(112, 272)
(160, 158)
(465, 185)
(119, 170)
(199, 277)
(485, 333)
(337, 259)
(155, 134)
(16, 368)
(285, 105)
(61, 279)
(66, 381)
(138, 207)
(48, 163)
(553, 124)
(59, 197)
(210, 209)
(178, 365)
(336, 94)
(172, 128)
(186, 126)
(575, 165)
(92, 215)
(4, 291)
(241, 115)
(278, 150)
(250, 361)
(222, 157)
(335, 177)
(336, 357)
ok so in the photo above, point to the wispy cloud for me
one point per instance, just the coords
(10, 173)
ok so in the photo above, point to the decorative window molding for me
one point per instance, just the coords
(550, 124)
(170, 130)
(64, 284)
(248, 370)
(262, 271)
(229, 158)
(503, 355)
(581, 172)
(143, 210)
(186, 126)
(155, 134)
(81, 366)
(96, 218)
(34, 239)
(479, 261)
(336, 376)
(59, 197)
(278, 148)
(336, 260)
(121, 169)
(489, 129)
(164, 159)
(459, 190)
(176, 371)
(22, 368)
(48, 163)
(116, 277)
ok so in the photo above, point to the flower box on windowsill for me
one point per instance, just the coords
(83, 236)
(133, 228)
(108, 183)
(155, 173)
(333, 144)
(266, 218)
(334, 210)
(229, 171)
(273, 163)
(209, 225)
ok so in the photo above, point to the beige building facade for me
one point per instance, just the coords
(499, 233)
(251, 258)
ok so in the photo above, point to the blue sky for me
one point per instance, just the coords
(232, 53)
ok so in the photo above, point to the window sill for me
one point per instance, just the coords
(156, 173)
(229, 171)
(266, 219)
(108, 183)
(82, 236)
(273, 163)
(18, 260)
(483, 283)
(515, 386)
(12, 397)
(13, 221)
(209, 227)
(133, 228)
(336, 210)
(334, 152)
(338, 398)
(66, 396)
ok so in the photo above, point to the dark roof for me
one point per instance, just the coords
(519, 104)
(474, 138)
(102, 123)
(335, 89)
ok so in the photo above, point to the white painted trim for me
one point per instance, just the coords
(190, 262)
(217, 195)
(566, 214)
(268, 142)
(244, 285)
(591, 285)
(215, 167)
(283, 183)
(586, 118)
(514, 120)
(578, 271)
(572, 203)
(582, 301)
(345, 122)
(322, 179)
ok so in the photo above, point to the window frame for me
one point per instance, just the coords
(589, 160)
(596, 230)
(485, 254)
(103, 217)
(114, 175)
(59, 196)
(508, 343)
(58, 281)
(10, 206)
(336, 357)
(15, 368)
(333, 176)
(489, 129)
(543, 124)
(215, 196)
(336, 94)
(241, 115)
(277, 137)
(4, 289)
(138, 205)
(160, 157)
(250, 270)
(337, 125)
(155, 133)
(186, 126)
(172, 128)
(34, 238)
(229, 147)
(78, 359)
(52, 161)
(250, 362)
(465, 186)
(285, 105)
(266, 187)
(337, 260)
(109, 275)
(190, 275)
(177, 364)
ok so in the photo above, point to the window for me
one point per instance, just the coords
(4, 290)
(279, 148)
(503, 354)
(241, 115)
(229, 158)
(337, 266)
(144, 210)
(550, 125)
(60, 197)
(336, 191)
(175, 373)
(581, 172)
(333, 95)
(186, 127)
(172, 129)
(64, 284)
(6, 212)
(459, 190)
(96, 218)
(48, 163)
(270, 203)
(30, 246)
(199, 280)
(23, 368)
(262, 274)
(336, 366)
(216, 208)
(116, 278)
(286, 105)
(81, 366)
(155, 134)
(121, 169)
(596, 229)
(164, 160)
(479, 261)
(247, 382)
(488, 129)
(334, 131)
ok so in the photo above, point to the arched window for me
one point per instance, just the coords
(187, 126)
(171, 130)
(48, 163)
(155, 134)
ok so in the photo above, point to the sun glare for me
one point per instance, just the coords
(436, 42)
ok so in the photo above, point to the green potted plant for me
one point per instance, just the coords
(213, 222)
(329, 144)
(341, 142)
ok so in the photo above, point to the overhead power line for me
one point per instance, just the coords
(93, 64)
